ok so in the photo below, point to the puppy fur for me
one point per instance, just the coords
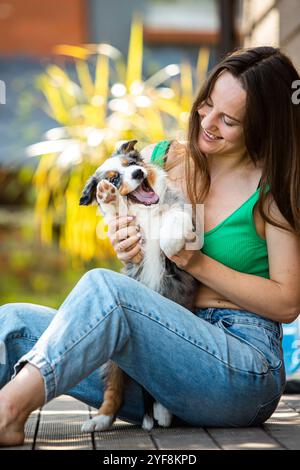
(165, 224)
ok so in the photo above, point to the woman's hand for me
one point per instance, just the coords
(125, 237)
(186, 259)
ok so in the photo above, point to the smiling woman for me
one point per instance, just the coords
(244, 103)
(242, 162)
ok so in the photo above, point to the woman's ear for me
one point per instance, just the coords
(89, 192)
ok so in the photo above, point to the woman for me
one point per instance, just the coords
(222, 366)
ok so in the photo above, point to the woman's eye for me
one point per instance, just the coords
(226, 122)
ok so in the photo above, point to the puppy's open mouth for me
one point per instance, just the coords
(144, 194)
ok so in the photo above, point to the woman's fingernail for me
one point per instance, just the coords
(131, 217)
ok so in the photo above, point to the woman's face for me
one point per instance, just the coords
(221, 117)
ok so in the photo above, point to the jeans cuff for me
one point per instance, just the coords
(45, 368)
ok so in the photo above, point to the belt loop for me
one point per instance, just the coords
(210, 312)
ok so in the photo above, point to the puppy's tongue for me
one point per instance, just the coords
(145, 196)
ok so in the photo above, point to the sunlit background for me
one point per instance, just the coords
(77, 77)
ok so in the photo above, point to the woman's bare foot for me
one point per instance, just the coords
(11, 424)
(18, 398)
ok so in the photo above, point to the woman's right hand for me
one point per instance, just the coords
(125, 237)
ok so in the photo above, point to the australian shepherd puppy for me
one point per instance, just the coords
(125, 185)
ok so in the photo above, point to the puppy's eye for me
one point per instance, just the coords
(131, 163)
(114, 180)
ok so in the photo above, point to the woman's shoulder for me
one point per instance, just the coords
(272, 210)
(177, 151)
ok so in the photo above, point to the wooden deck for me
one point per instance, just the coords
(57, 426)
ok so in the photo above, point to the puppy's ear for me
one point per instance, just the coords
(89, 192)
(127, 146)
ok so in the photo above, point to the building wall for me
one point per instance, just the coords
(275, 23)
(34, 27)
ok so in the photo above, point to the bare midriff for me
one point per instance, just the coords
(207, 297)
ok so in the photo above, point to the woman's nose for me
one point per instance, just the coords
(208, 121)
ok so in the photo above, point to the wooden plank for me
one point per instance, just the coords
(30, 429)
(243, 439)
(188, 438)
(64, 403)
(60, 426)
(293, 401)
(123, 436)
(284, 424)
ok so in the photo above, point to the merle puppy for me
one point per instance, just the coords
(125, 184)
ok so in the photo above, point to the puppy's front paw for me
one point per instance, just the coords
(106, 192)
(171, 246)
(175, 232)
(98, 423)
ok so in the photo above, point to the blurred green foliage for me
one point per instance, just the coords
(31, 271)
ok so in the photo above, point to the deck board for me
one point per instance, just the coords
(124, 436)
(187, 438)
(60, 423)
(244, 439)
(58, 426)
(284, 424)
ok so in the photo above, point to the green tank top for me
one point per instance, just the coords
(234, 242)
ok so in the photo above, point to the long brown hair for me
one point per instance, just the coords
(271, 129)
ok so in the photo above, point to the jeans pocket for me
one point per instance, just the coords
(265, 411)
(262, 339)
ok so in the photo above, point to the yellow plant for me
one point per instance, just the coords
(95, 111)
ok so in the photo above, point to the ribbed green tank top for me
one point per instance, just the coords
(234, 242)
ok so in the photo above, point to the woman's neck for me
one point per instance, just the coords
(222, 165)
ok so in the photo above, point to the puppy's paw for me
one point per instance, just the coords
(162, 415)
(106, 192)
(171, 246)
(98, 423)
(148, 423)
(175, 232)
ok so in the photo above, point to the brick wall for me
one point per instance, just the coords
(273, 22)
(34, 26)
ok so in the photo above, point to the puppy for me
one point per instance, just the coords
(124, 184)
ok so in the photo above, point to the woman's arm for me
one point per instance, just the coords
(277, 298)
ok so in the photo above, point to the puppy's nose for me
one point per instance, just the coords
(137, 174)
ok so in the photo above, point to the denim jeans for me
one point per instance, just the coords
(219, 367)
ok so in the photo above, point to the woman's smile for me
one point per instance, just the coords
(209, 137)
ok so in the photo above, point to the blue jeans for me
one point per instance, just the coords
(218, 367)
